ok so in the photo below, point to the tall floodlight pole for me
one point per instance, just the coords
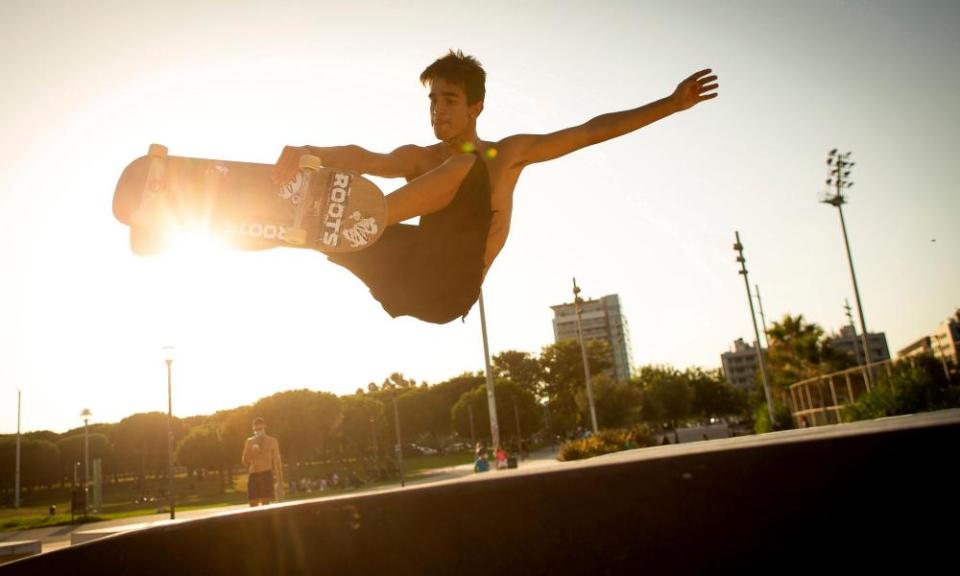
(738, 247)
(839, 177)
(491, 396)
(85, 414)
(763, 317)
(577, 302)
(853, 331)
(16, 481)
(168, 358)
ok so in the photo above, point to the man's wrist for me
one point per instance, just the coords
(672, 104)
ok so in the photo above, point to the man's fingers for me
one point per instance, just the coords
(707, 97)
(698, 74)
(285, 167)
(708, 79)
(709, 88)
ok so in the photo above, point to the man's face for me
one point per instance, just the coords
(259, 428)
(450, 115)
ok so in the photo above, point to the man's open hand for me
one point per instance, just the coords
(696, 88)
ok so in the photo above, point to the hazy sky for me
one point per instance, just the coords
(87, 86)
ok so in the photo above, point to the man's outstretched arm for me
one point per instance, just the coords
(527, 149)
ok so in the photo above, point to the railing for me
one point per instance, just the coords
(819, 401)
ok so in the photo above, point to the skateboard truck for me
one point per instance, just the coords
(297, 235)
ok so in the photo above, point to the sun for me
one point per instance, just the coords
(189, 243)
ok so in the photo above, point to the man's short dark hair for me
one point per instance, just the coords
(258, 421)
(459, 69)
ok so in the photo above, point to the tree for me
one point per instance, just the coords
(562, 365)
(396, 380)
(362, 417)
(203, 449)
(140, 444)
(798, 350)
(70, 449)
(521, 368)
(667, 395)
(617, 403)
(712, 395)
(302, 420)
(508, 394)
(39, 463)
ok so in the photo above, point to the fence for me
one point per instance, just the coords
(819, 400)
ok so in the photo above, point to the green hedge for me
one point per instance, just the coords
(607, 441)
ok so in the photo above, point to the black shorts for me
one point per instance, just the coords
(432, 271)
(260, 486)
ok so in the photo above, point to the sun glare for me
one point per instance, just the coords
(193, 243)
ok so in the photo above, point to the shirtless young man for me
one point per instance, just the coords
(261, 456)
(462, 188)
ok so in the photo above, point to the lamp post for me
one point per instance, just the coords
(839, 178)
(168, 358)
(763, 317)
(738, 247)
(86, 414)
(491, 395)
(16, 481)
(396, 421)
(853, 330)
(577, 302)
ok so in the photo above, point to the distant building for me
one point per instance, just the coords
(944, 342)
(740, 365)
(918, 348)
(851, 343)
(602, 319)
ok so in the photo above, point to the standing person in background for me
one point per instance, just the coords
(501, 457)
(261, 456)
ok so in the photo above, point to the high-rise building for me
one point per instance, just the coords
(740, 365)
(852, 343)
(944, 342)
(602, 319)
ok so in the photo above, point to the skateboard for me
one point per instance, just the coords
(320, 208)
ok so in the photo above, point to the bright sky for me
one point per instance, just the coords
(87, 86)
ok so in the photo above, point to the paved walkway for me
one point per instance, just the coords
(56, 537)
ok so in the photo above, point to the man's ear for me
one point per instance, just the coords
(475, 109)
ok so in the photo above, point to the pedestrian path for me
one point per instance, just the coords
(56, 537)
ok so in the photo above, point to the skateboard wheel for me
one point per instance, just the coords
(296, 236)
(157, 151)
(308, 161)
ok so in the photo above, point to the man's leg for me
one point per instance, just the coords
(429, 192)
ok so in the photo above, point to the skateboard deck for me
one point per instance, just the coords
(320, 208)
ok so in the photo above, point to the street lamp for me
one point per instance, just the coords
(577, 302)
(491, 394)
(838, 177)
(16, 482)
(396, 421)
(168, 358)
(86, 414)
(738, 247)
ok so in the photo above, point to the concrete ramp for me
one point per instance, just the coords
(876, 496)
